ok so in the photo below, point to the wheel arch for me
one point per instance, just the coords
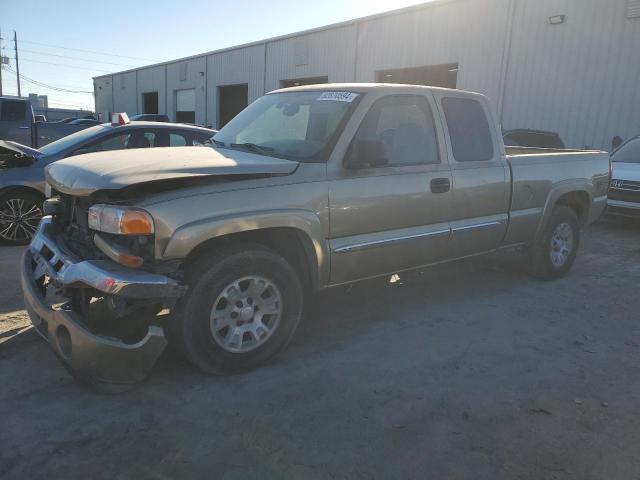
(22, 188)
(576, 197)
(296, 236)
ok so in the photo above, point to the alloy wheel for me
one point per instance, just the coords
(19, 220)
(246, 314)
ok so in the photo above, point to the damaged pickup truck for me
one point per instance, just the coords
(215, 248)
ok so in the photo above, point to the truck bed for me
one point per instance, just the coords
(539, 177)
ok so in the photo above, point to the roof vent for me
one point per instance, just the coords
(633, 9)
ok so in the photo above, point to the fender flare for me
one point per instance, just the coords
(557, 191)
(189, 236)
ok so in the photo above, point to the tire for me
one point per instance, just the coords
(229, 281)
(555, 251)
(20, 214)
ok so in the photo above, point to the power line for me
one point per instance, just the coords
(63, 65)
(76, 58)
(88, 51)
(45, 85)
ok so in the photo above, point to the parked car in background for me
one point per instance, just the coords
(39, 118)
(522, 137)
(84, 121)
(22, 185)
(18, 124)
(624, 191)
(150, 117)
(307, 188)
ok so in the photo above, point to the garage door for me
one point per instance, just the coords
(186, 106)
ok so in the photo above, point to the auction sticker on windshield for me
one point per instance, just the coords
(338, 96)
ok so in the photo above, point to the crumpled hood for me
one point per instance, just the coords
(84, 174)
(626, 171)
(13, 154)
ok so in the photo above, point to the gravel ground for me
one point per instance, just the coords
(473, 371)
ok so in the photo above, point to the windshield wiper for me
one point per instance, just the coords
(252, 147)
(218, 142)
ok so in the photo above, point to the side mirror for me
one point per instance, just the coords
(367, 153)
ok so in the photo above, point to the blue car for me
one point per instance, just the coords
(22, 183)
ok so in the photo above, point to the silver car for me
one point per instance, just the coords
(22, 168)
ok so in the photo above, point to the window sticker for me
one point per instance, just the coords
(338, 96)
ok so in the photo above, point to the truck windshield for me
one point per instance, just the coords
(70, 141)
(301, 126)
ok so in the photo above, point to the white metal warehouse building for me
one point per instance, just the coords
(570, 66)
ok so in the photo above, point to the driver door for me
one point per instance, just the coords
(392, 217)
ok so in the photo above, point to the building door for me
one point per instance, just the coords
(150, 102)
(232, 99)
(186, 106)
(296, 82)
(445, 75)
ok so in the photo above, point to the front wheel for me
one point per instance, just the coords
(242, 308)
(554, 253)
(20, 213)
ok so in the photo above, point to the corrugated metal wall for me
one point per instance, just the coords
(188, 74)
(328, 53)
(468, 32)
(152, 80)
(103, 96)
(124, 92)
(233, 68)
(580, 78)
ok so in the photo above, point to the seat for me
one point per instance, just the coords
(140, 142)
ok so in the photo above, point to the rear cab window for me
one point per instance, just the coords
(13, 110)
(469, 130)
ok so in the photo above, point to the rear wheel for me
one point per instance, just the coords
(556, 250)
(20, 213)
(242, 308)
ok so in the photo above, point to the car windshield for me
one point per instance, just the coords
(292, 125)
(628, 152)
(76, 138)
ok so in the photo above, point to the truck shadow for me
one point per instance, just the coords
(341, 314)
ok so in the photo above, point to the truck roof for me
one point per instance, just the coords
(365, 87)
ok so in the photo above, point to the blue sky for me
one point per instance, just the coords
(55, 37)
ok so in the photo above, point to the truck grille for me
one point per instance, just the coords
(72, 224)
(624, 190)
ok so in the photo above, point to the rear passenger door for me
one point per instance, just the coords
(479, 213)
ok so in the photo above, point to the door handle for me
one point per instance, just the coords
(440, 185)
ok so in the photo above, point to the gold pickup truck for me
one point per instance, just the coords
(215, 248)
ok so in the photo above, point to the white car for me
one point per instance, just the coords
(624, 191)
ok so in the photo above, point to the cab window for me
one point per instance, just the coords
(405, 125)
(628, 153)
(12, 110)
(471, 139)
(112, 142)
(177, 140)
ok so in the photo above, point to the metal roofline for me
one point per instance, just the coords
(355, 21)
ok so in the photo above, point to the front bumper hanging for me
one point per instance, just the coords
(91, 357)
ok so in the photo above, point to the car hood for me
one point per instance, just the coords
(83, 175)
(14, 154)
(625, 171)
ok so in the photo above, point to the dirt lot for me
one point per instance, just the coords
(470, 372)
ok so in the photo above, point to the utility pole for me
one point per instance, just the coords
(15, 42)
(1, 62)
